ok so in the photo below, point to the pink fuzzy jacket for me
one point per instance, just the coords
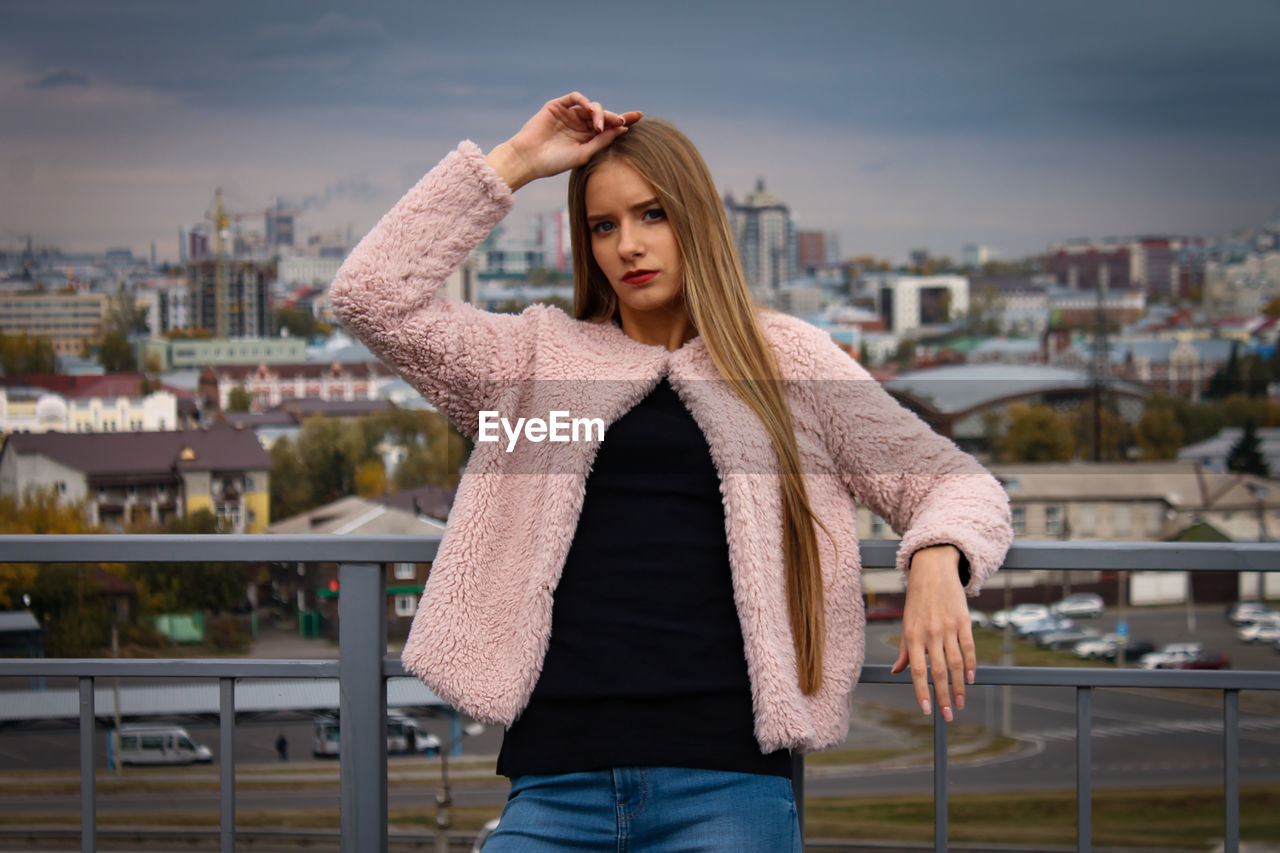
(481, 634)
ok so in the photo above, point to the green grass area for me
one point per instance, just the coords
(964, 741)
(990, 645)
(1190, 819)
(1181, 819)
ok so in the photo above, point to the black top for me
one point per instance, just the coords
(646, 663)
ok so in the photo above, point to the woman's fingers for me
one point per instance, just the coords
(955, 668)
(948, 659)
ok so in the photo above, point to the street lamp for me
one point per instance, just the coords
(1259, 493)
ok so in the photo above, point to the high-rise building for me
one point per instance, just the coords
(1149, 264)
(279, 226)
(243, 311)
(815, 249)
(766, 240)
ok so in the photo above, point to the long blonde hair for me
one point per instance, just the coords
(721, 310)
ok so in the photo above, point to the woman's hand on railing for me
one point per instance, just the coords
(937, 633)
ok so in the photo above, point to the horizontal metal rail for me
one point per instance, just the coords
(302, 548)
(362, 666)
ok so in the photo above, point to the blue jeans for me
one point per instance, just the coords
(637, 809)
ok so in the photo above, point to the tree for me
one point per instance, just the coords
(64, 597)
(124, 314)
(239, 399)
(290, 492)
(1158, 433)
(299, 323)
(1246, 456)
(371, 478)
(905, 353)
(1226, 379)
(1114, 434)
(115, 353)
(180, 587)
(22, 354)
(1035, 433)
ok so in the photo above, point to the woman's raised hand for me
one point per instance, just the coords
(565, 133)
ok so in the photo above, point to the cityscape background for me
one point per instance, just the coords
(1050, 230)
(895, 126)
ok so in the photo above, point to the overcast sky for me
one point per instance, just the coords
(896, 125)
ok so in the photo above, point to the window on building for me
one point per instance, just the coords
(406, 605)
(229, 516)
(405, 571)
(1053, 520)
(877, 525)
(1019, 520)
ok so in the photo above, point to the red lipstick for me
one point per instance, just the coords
(639, 276)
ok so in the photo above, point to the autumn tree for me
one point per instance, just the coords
(331, 458)
(1109, 429)
(23, 354)
(1158, 433)
(115, 353)
(239, 399)
(183, 587)
(1035, 433)
(64, 596)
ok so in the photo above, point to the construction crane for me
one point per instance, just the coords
(222, 219)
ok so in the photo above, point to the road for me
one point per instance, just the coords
(1139, 738)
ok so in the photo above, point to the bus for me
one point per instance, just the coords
(404, 736)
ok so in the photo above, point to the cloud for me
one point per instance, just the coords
(62, 77)
(358, 188)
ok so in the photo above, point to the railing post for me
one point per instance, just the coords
(1231, 770)
(1084, 769)
(939, 778)
(227, 761)
(362, 643)
(88, 779)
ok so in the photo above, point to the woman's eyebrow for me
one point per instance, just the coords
(638, 206)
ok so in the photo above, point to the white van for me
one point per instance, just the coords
(159, 744)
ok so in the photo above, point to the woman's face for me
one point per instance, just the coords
(634, 244)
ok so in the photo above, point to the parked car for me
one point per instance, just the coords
(1170, 655)
(884, 611)
(1067, 639)
(1246, 611)
(1081, 605)
(1133, 650)
(1206, 660)
(1260, 632)
(978, 619)
(1021, 614)
(1043, 626)
(1103, 647)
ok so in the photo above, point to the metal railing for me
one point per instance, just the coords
(362, 666)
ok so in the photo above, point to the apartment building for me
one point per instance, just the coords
(66, 319)
(127, 478)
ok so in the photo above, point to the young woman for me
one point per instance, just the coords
(659, 609)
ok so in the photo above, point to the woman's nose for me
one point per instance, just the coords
(629, 243)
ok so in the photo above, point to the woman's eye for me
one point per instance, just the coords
(602, 228)
(654, 214)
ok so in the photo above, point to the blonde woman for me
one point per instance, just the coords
(662, 606)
